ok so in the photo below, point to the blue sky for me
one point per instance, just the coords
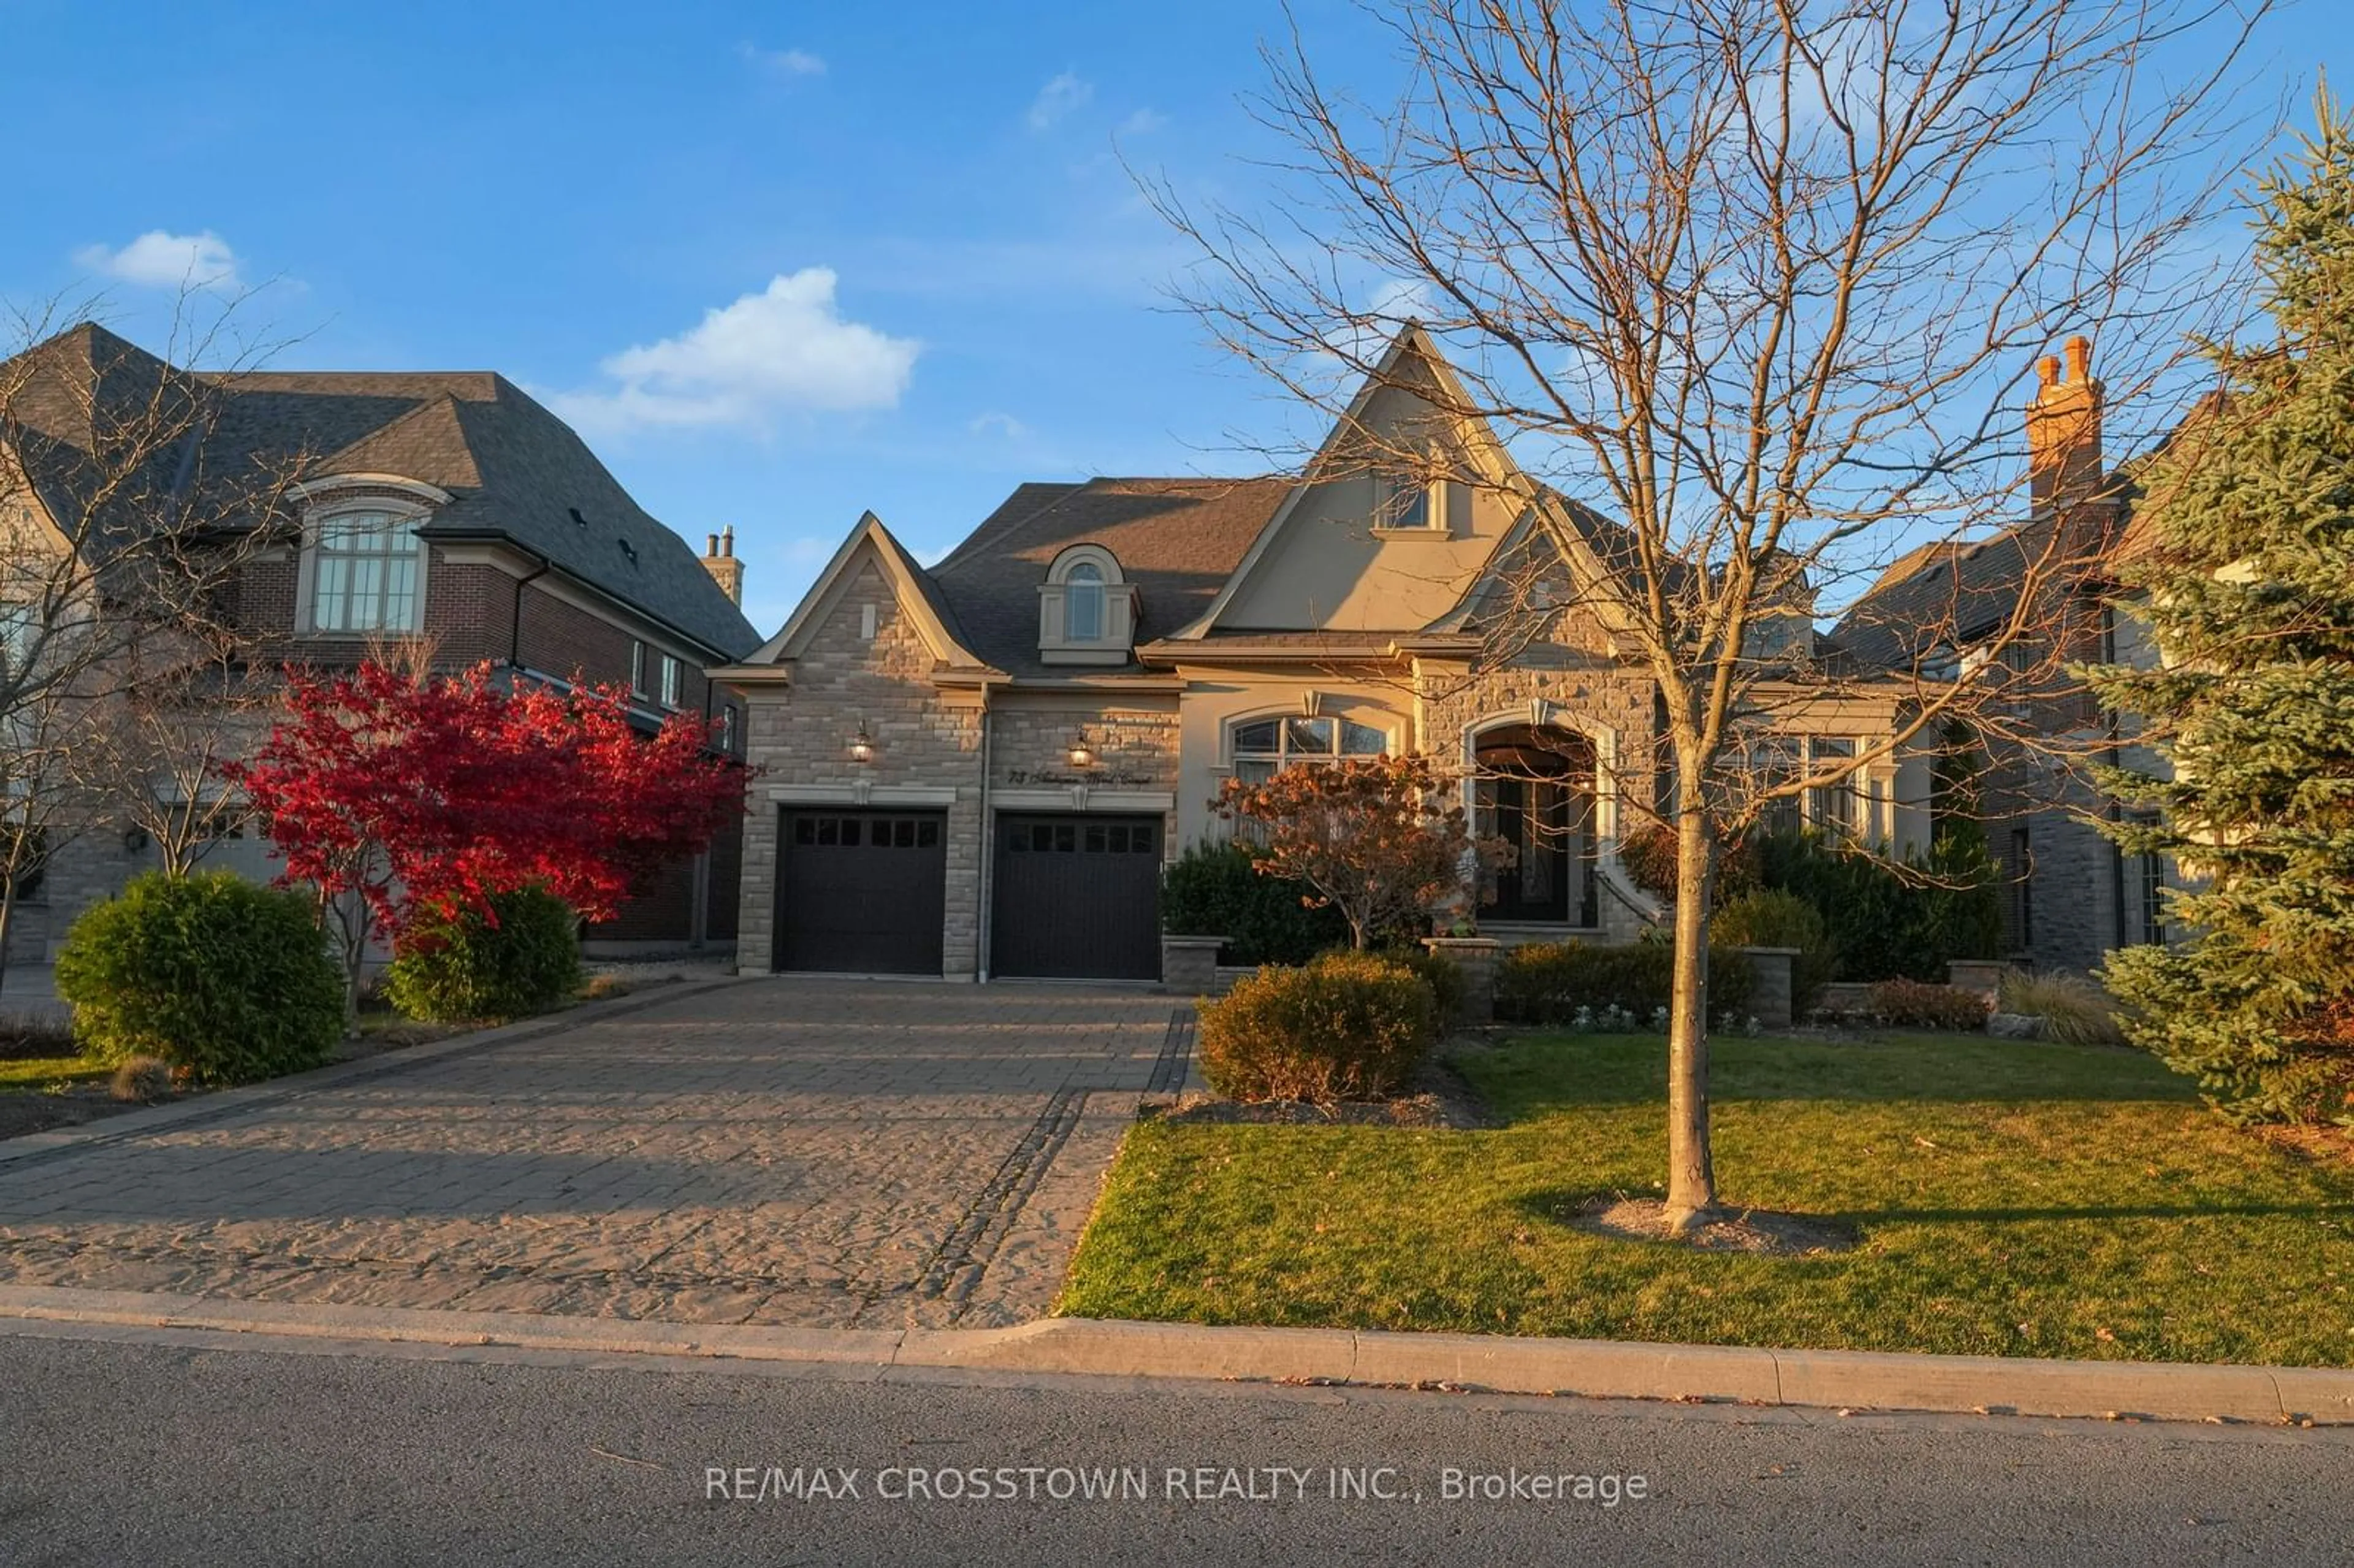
(779, 263)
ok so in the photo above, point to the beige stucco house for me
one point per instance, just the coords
(979, 768)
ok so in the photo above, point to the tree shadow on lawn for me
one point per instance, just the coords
(1567, 1206)
(1534, 1074)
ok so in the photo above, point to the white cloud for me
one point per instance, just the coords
(1058, 97)
(1006, 425)
(785, 63)
(785, 349)
(1143, 122)
(161, 260)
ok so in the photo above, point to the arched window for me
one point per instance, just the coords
(365, 575)
(1082, 603)
(1258, 750)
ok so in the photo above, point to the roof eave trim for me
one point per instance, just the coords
(328, 483)
(900, 569)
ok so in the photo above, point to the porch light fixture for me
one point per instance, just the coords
(1082, 750)
(862, 744)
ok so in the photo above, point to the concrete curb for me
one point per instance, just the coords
(1850, 1380)
(248, 1097)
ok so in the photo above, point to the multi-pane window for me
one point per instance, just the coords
(1082, 603)
(673, 677)
(726, 737)
(1265, 746)
(1831, 807)
(20, 626)
(2020, 869)
(2145, 890)
(638, 669)
(876, 833)
(1406, 504)
(1080, 838)
(364, 578)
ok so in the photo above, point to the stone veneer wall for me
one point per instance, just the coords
(1586, 694)
(922, 737)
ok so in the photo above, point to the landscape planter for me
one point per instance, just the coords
(1477, 959)
(1189, 965)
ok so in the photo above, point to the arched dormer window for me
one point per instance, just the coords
(367, 573)
(362, 562)
(1086, 610)
(1082, 603)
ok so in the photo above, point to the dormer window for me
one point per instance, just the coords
(1086, 610)
(1082, 603)
(366, 569)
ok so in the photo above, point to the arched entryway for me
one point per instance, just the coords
(1533, 787)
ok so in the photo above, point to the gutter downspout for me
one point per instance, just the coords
(515, 622)
(981, 923)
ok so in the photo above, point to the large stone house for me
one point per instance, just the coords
(978, 770)
(450, 509)
(2070, 895)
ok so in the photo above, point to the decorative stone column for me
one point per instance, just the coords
(1769, 997)
(1476, 959)
(1189, 965)
(1983, 976)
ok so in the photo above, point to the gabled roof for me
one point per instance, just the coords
(914, 588)
(1177, 540)
(515, 471)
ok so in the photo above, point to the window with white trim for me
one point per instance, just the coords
(1832, 810)
(365, 571)
(638, 669)
(1082, 603)
(673, 679)
(1263, 748)
(20, 626)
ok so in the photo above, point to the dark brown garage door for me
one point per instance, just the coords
(861, 891)
(1078, 898)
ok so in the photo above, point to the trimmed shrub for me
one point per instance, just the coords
(1548, 982)
(1768, 919)
(1884, 923)
(1212, 890)
(1911, 1004)
(468, 967)
(1441, 974)
(212, 973)
(2075, 1011)
(1344, 1026)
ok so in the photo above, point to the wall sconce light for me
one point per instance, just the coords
(134, 840)
(862, 744)
(1082, 750)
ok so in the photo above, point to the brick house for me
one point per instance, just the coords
(2070, 895)
(452, 508)
(979, 768)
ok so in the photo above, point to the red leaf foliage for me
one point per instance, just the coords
(434, 792)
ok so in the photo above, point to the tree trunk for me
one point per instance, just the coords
(8, 918)
(1692, 1172)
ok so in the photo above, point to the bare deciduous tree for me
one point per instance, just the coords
(1750, 289)
(125, 524)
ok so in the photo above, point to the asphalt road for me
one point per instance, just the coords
(192, 1448)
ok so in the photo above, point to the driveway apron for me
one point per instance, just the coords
(818, 1152)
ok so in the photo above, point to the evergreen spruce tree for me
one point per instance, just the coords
(2250, 602)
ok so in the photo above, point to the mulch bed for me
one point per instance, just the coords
(1760, 1231)
(1438, 1096)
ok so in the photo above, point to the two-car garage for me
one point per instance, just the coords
(1075, 895)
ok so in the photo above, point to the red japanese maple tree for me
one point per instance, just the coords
(394, 793)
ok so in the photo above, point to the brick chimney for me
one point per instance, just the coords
(2063, 429)
(719, 561)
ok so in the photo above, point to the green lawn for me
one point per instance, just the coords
(34, 1074)
(2009, 1198)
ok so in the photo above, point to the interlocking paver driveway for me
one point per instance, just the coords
(772, 1151)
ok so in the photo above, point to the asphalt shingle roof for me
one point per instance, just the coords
(1177, 540)
(514, 469)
